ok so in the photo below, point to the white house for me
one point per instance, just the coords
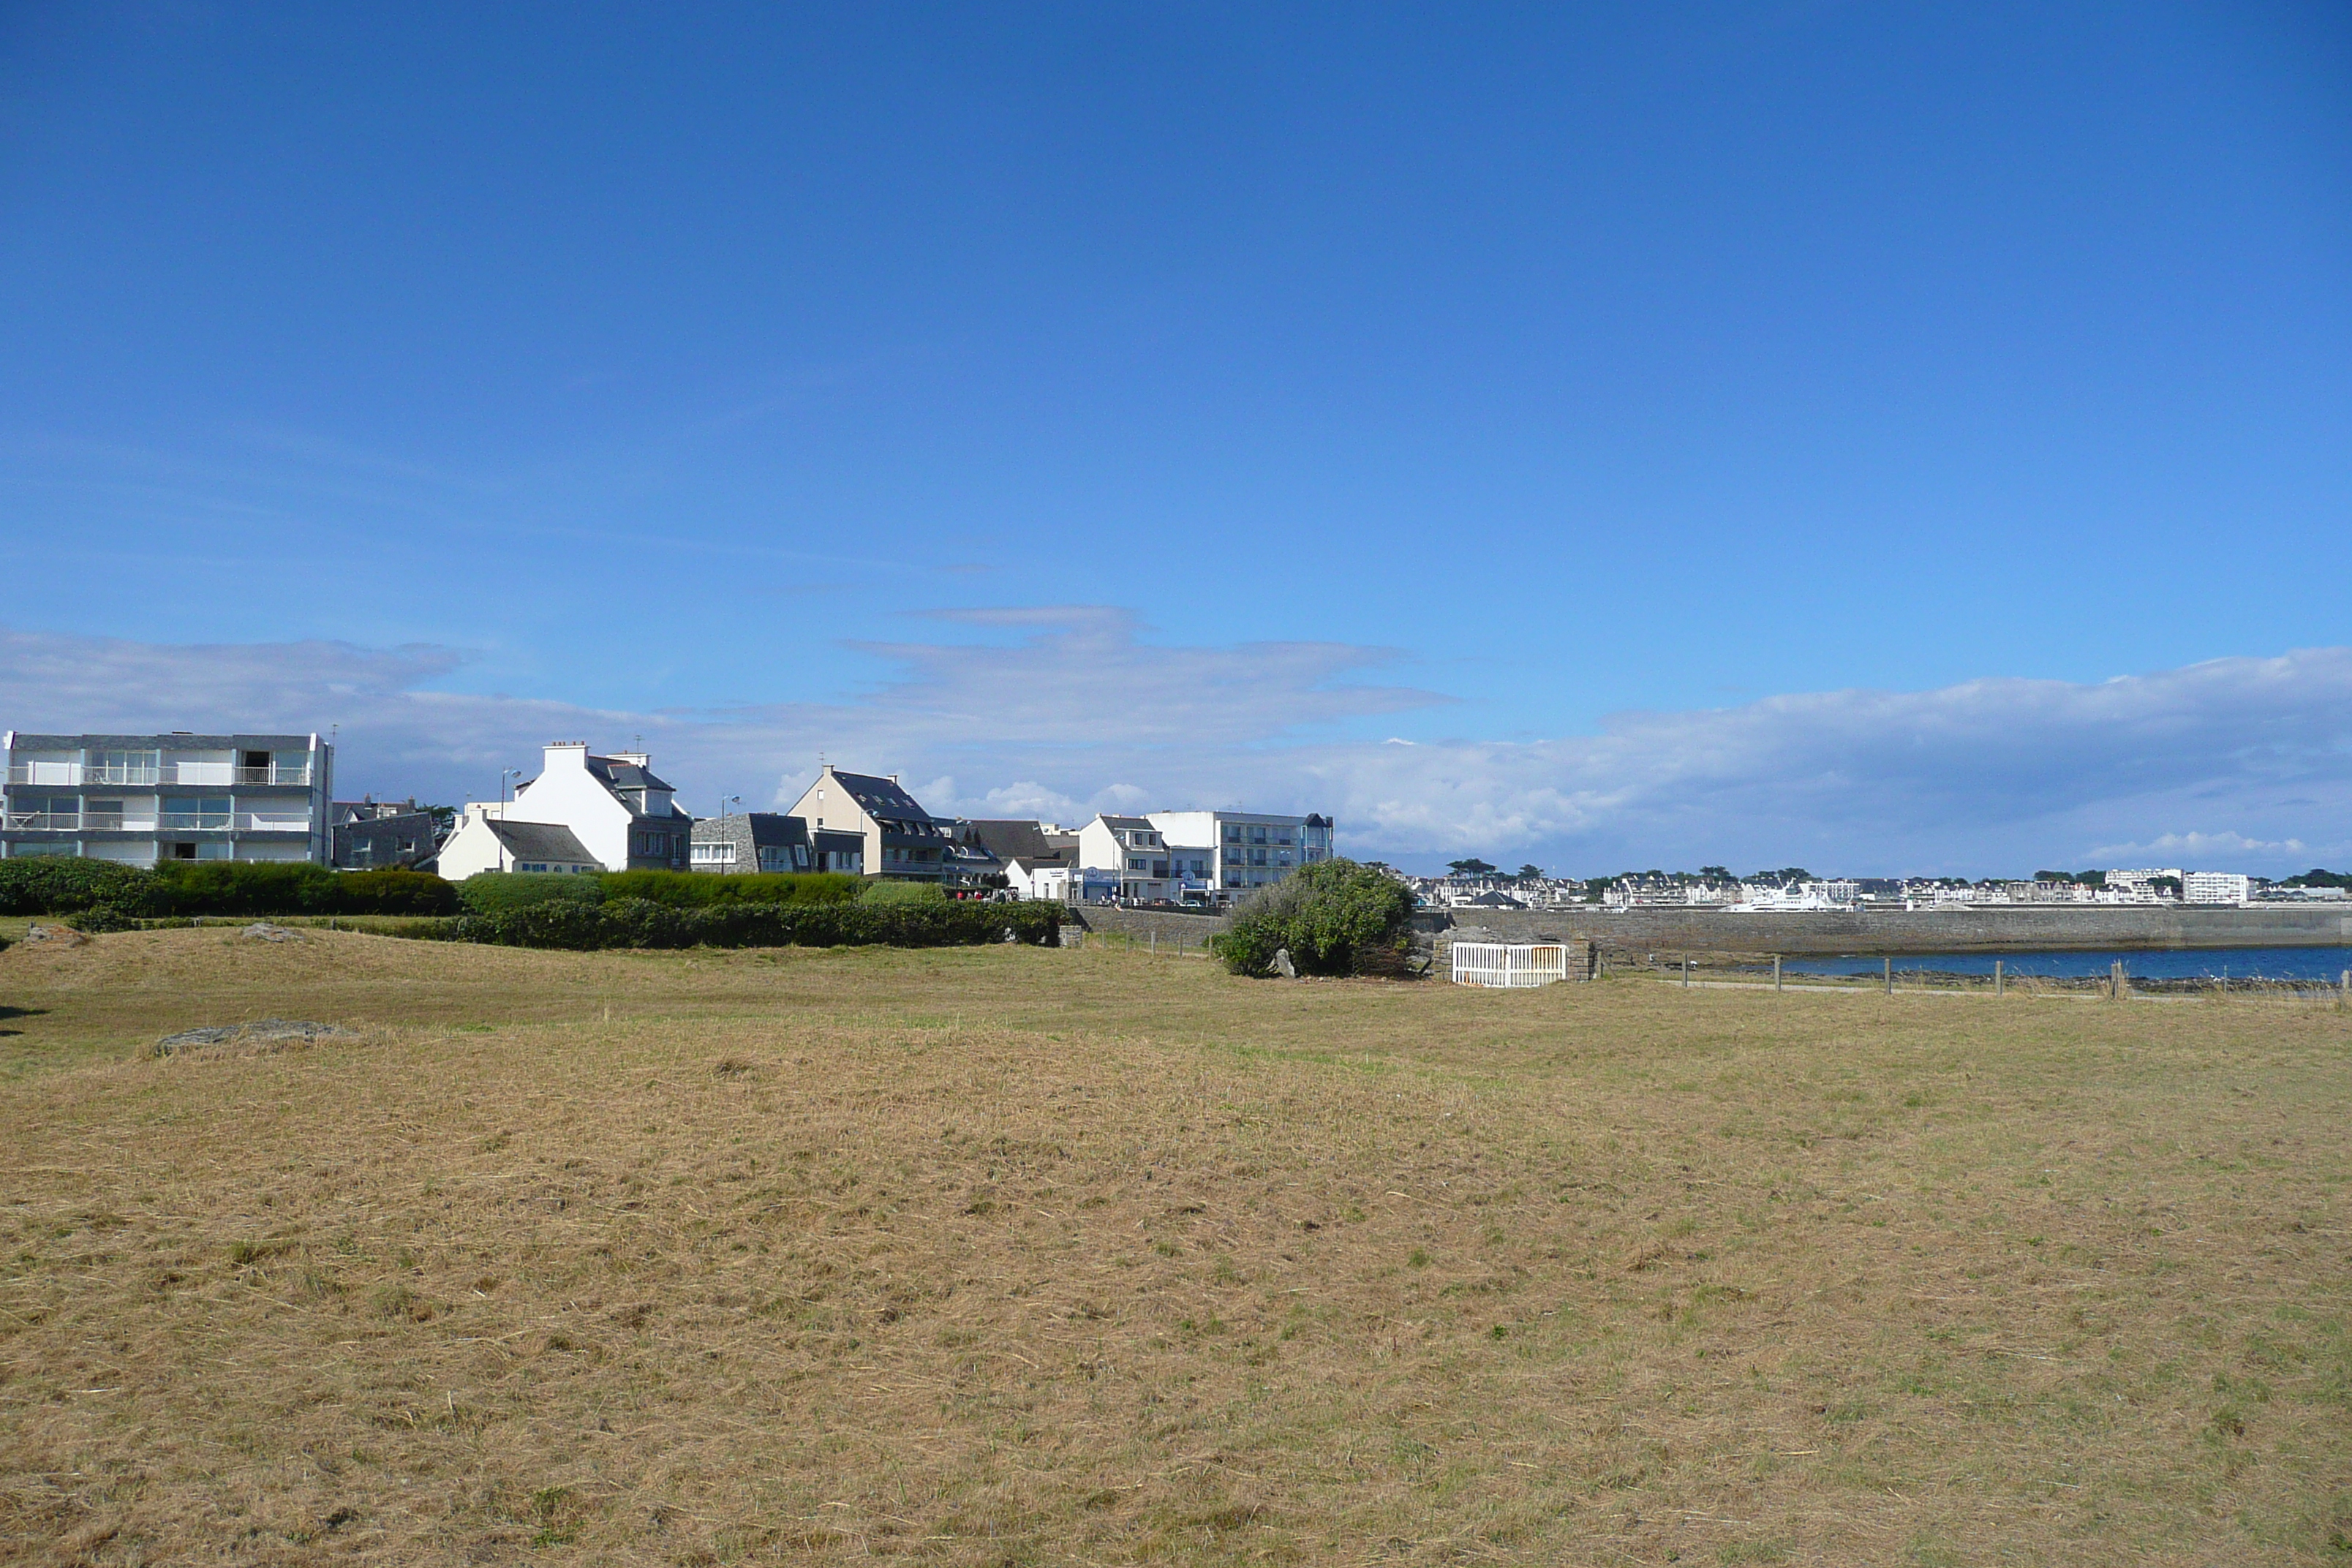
(621, 815)
(1133, 848)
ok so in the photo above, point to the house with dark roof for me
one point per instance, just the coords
(899, 838)
(749, 842)
(972, 865)
(1040, 862)
(372, 835)
(615, 807)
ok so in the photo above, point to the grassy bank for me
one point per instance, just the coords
(1005, 1254)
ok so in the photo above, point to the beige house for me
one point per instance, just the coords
(902, 839)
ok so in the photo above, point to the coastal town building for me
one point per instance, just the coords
(147, 798)
(748, 842)
(372, 835)
(897, 836)
(1222, 855)
(2216, 888)
(621, 816)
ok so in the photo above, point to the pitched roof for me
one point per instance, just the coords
(1022, 841)
(541, 841)
(882, 797)
(623, 775)
(1142, 822)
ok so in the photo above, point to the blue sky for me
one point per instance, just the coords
(1633, 408)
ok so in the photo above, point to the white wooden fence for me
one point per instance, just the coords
(1509, 964)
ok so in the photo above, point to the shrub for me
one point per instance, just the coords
(643, 923)
(121, 896)
(700, 889)
(1336, 917)
(394, 892)
(65, 885)
(243, 887)
(883, 893)
(501, 893)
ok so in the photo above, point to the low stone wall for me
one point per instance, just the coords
(1172, 928)
(1673, 931)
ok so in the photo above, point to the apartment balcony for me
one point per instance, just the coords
(151, 821)
(215, 774)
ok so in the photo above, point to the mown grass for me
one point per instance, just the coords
(1004, 1256)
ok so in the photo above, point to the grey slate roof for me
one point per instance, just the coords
(542, 841)
(882, 798)
(1022, 841)
(623, 775)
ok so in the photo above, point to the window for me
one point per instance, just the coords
(1135, 863)
(1257, 835)
(26, 851)
(129, 767)
(1233, 833)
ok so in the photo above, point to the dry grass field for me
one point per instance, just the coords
(1008, 1257)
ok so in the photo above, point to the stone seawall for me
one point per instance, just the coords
(1169, 926)
(2016, 929)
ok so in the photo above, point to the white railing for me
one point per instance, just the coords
(73, 774)
(256, 822)
(192, 821)
(41, 821)
(1509, 965)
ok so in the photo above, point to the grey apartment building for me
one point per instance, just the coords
(142, 799)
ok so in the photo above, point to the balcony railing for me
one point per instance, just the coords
(72, 774)
(153, 822)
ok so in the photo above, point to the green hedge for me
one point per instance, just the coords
(67, 885)
(702, 889)
(1334, 917)
(580, 925)
(113, 896)
(500, 892)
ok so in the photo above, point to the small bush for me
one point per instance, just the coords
(643, 923)
(245, 887)
(700, 889)
(393, 893)
(502, 893)
(1336, 918)
(883, 893)
(66, 885)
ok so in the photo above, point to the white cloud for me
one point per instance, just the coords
(2244, 762)
(2198, 847)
